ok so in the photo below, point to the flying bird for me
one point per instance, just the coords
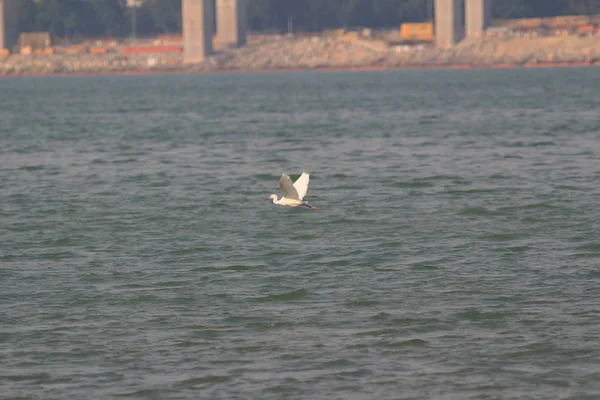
(293, 193)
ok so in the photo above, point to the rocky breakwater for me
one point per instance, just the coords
(490, 51)
(353, 51)
(302, 53)
(349, 51)
(287, 53)
(18, 64)
(529, 51)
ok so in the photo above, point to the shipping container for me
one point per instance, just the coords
(586, 30)
(77, 49)
(151, 49)
(98, 50)
(35, 40)
(169, 38)
(422, 32)
(567, 21)
(523, 23)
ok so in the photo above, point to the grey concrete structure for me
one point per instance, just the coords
(448, 23)
(478, 16)
(198, 28)
(8, 24)
(231, 23)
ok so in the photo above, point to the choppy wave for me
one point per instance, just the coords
(455, 254)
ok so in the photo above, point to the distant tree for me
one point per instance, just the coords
(27, 11)
(166, 14)
(258, 14)
(49, 16)
(545, 8)
(109, 16)
(113, 17)
(584, 7)
(508, 9)
(144, 21)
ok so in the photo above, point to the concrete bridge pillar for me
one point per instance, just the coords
(447, 23)
(197, 29)
(231, 23)
(8, 24)
(479, 16)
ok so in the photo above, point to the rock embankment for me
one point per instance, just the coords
(323, 52)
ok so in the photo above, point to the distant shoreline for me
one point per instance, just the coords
(328, 53)
(182, 71)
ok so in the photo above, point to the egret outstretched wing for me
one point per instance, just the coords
(301, 185)
(287, 187)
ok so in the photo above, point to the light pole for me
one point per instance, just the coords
(134, 4)
(133, 23)
(430, 10)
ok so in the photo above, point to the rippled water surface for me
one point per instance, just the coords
(455, 255)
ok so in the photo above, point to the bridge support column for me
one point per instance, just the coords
(447, 23)
(231, 23)
(8, 24)
(479, 16)
(197, 29)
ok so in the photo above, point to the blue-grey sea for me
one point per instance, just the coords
(455, 254)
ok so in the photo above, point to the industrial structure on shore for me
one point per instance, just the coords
(200, 36)
(198, 26)
(8, 24)
(448, 20)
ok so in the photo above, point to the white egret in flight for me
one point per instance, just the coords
(293, 193)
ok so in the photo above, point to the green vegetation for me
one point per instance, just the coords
(91, 18)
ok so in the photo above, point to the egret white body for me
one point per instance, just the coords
(293, 193)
